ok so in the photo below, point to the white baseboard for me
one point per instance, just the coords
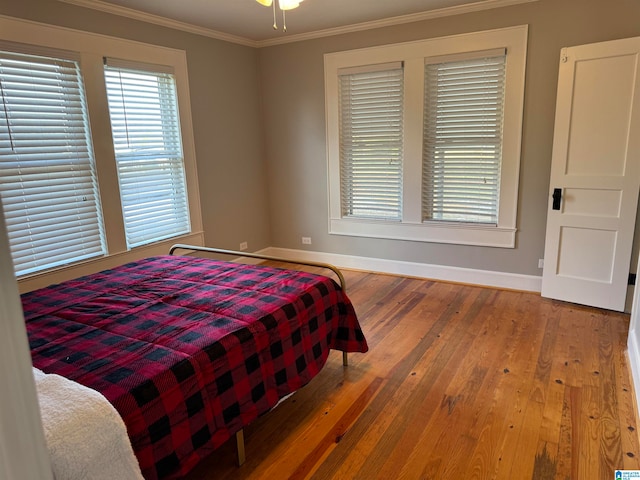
(633, 353)
(633, 348)
(470, 276)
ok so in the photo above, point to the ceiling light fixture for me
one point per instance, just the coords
(284, 6)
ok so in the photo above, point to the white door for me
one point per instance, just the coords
(595, 175)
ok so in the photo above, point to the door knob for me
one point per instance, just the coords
(557, 198)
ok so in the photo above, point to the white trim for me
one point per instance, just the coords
(23, 450)
(380, 67)
(634, 363)
(485, 278)
(357, 27)
(632, 342)
(163, 21)
(472, 55)
(434, 232)
(400, 20)
(58, 275)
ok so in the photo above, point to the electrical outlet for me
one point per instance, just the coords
(244, 246)
(306, 240)
(541, 263)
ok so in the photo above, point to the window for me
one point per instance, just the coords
(97, 160)
(371, 143)
(146, 136)
(47, 174)
(462, 150)
(434, 155)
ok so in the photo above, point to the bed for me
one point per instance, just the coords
(189, 350)
(86, 437)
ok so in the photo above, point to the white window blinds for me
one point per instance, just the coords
(462, 150)
(147, 142)
(371, 116)
(47, 180)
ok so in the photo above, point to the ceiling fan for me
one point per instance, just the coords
(284, 5)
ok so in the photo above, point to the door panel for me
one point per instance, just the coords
(592, 202)
(596, 166)
(603, 87)
(571, 263)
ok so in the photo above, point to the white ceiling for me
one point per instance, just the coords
(247, 22)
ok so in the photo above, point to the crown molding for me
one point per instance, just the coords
(399, 20)
(162, 21)
(358, 27)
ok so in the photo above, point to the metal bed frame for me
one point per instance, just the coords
(181, 246)
(238, 254)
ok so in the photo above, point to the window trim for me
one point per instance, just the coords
(92, 48)
(514, 40)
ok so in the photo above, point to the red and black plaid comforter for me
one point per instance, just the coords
(189, 350)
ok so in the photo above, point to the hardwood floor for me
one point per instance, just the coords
(459, 382)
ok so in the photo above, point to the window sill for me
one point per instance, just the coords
(40, 280)
(434, 232)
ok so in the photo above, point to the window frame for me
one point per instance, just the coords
(413, 54)
(367, 137)
(456, 176)
(91, 48)
(166, 108)
(49, 226)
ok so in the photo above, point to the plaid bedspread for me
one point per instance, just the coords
(189, 350)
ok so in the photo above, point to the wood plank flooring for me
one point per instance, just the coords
(459, 382)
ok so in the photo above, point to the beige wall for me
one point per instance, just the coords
(259, 123)
(223, 82)
(293, 96)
